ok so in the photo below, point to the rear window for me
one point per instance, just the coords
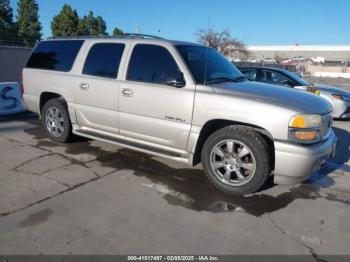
(103, 60)
(55, 55)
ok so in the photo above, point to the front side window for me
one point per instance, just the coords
(250, 74)
(298, 80)
(274, 78)
(208, 66)
(57, 55)
(103, 60)
(151, 64)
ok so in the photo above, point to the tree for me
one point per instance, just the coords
(278, 57)
(65, 23)
(117, 32)
(8, 29)
(223, 42)
(29, 26)
(91, 25)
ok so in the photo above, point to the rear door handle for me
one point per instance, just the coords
(126, 92)
(84, 86)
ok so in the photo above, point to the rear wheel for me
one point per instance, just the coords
(56, 121)
(237, 160)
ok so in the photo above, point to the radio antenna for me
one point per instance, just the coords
(206, 50)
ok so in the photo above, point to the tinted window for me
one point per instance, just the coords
(103, 60)
(250, 74)
(151, 64)
(274, 78)
(207, 65)
(55, 55)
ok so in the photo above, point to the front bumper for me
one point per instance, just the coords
(295, 163)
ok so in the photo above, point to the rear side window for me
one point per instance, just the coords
(103, 60)
(150, 64)
(55, 55)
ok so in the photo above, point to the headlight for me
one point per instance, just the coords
(339, 97)
(305, 128)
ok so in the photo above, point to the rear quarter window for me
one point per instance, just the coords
(55, 55)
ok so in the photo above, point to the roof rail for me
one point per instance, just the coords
(141, 36)
(123, 36)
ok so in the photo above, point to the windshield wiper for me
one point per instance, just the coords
(225, 79)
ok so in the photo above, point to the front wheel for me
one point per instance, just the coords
(237, 160)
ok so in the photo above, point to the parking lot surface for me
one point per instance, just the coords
(90, 197)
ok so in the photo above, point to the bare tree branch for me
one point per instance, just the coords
(223, 42)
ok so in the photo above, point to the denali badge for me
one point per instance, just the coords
(175, 119)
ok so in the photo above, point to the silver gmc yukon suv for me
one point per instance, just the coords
(182, 101)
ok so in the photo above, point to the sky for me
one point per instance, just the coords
(256, 22)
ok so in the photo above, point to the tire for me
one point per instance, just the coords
(60, 122)
(237, 172)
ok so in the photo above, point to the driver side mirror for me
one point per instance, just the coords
(175, 79)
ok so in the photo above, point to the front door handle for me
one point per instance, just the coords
(84, 86)
(126, 92)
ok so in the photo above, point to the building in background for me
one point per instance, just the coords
(336, 53)
(316, 60)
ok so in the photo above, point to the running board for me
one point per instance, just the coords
(134, 145)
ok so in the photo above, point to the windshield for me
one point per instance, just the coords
(208, 66)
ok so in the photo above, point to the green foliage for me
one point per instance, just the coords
(8, 29)
(66, 22)
(117, 32)
(29, 26)
(92, 25)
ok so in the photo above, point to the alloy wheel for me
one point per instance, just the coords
(232, 162)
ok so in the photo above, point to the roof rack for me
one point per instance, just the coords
(123, 36)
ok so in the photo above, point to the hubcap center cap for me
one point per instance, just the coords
(232, 161)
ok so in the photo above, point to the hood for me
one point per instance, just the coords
(332, 90)
(296, 100)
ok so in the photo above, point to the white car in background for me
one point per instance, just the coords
(252, 60)
(299, 59)
(318, 60)
(270, 61)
